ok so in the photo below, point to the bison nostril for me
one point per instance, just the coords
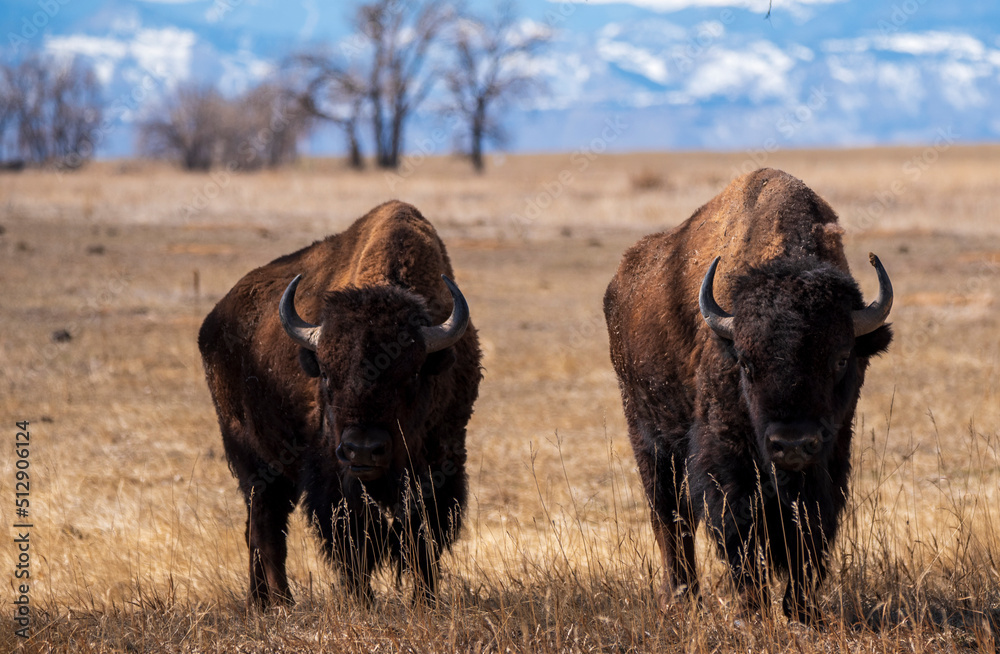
(364, 447)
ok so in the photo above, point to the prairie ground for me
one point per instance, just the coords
(137, 538)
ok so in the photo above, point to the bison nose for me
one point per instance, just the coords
(364, 448)
(793, 447)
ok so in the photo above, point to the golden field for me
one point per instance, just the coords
(137, 544)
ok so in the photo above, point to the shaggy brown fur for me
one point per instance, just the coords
(699, 407)
(283, 409)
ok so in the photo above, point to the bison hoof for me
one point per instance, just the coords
(263, 602)
(425, 597)
(672, 597)
(802, 611)
(365, 596)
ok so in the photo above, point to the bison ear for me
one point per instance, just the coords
(438, 362)
(309, 362)
(873, 343)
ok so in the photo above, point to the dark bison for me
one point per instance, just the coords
(743, 419)
(362, 414)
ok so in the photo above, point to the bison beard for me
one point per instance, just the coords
(362, 415)
(744, 420)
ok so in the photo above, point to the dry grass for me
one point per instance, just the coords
(137, 544)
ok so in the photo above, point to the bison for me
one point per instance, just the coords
(743, 418)
(363, 414)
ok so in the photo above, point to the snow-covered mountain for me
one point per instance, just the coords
(666, 73)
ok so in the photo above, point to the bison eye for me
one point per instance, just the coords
(840, 362)
(746, 367)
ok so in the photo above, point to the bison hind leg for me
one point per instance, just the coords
(674, 522)
(268, 508)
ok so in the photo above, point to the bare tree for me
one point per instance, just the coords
(263, 128)
(9, 153)
(30, 93)
(200, 128)
(331, 92)
(76, 113)
(398, 36)
(491, 69)
(189, 128)
(50, 111)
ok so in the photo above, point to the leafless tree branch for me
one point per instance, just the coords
(491, 68)
(50, 111)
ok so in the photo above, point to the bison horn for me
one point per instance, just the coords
(720, 321)
(873, 316)
(446, 334)
(303, 333)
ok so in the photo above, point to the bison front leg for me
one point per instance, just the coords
(351, 528)
(422, 554)
(749, 577)
(268, 508)
(676, 543)
(806, 557)
(737, 523)
(429, 527)
(673, 522)
(359, 540)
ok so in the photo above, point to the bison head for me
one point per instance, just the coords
(377, 357)
(802, 337)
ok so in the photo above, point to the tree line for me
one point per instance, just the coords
(403, 56)
(376, 80)
(50, 112)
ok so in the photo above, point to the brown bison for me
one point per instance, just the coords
(743, 418)
(362, 414)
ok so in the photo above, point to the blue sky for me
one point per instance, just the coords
(688, 74)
